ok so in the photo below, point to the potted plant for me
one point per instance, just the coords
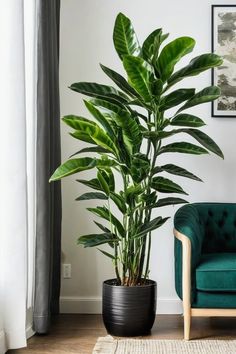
(126, 136)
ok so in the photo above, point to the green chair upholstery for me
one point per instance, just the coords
(211, 229)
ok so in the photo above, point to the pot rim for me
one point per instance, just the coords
(151, 284)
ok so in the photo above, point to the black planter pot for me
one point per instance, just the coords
(129, 310)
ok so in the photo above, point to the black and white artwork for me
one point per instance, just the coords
(224, 44)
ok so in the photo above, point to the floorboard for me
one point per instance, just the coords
(76, 333)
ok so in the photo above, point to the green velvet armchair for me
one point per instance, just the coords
(205, 260)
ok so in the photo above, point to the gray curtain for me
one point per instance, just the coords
(48, 217)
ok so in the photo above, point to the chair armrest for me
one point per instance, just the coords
(187, 223)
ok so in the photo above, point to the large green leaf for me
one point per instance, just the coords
(74, 121)
(171, 54)
(93, 183)
(80, 135)
(140, 76)
(124, 37)
(184, 148)
(102, 227)
(103, 182)
(187, 120)
(175, 98)
(208, 94)
(179, 171)
(108, 106)
(93, 130)
(165, 185)
(205, 141)
(104, 213)
(196, 66)
(100, 118)
(119, 201)
(97, 149)
(119, 81)
(107, 254)
(93, 89)
(130, 130)
(140, 166)
(92, 195)
(73, 166)
(94, 240)
(150, 226)
(148, 44)
(168, 201)
(132, 192)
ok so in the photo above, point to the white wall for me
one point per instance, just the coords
(86, 40)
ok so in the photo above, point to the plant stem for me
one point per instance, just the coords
(115, 248)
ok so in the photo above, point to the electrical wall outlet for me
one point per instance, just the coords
(66, 271)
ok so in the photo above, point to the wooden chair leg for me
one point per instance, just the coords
(187, 325)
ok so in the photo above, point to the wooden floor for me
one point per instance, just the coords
(78, 333)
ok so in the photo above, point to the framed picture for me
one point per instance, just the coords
(224, 44)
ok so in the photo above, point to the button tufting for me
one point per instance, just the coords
(210, 213)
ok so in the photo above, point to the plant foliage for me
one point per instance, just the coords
(128, 141)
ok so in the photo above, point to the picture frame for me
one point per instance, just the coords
(223, 20)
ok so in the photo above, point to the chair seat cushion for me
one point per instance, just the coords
(216, 272)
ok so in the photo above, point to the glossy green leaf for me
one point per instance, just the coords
(110, 179)
(119, 81)
(119, 201)
(165, 185)
(184, 148)
(92, 195)
(179, 171)
(150, 226)
(149, 198)
(205, 141)
(74, 121)
(80, 135)
(94, 131)
(100, 118)
(107, 254)
(168, 201)
(171, 54)
(93, 183)
(94, 240)
(97, 149)
(132, 192)
(175, 98)
(148, 44)
(93, 89)
(196, 66)
(103, 183)
(140, 166)
(124, 37)
(140, 76)
(104, 213)
(208, 94)
(130, 130)
(73, 166)
(101, 227)
(187, 120)
(108, 106)
(157, 87)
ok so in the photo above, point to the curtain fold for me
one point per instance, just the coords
(48, 196)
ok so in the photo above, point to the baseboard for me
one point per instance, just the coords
(29, 331)
(93, 305)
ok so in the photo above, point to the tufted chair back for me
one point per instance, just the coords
(217, 222)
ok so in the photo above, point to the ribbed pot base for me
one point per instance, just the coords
(129, 310)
